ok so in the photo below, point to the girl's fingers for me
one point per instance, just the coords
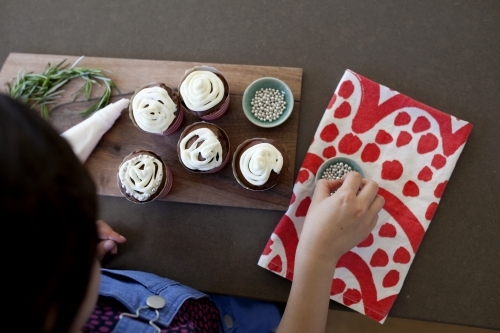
(351, 182)
(324, 187)
(104, 231)
(373, 222)
(368, 190)
(334, 185)
(377, 204)
(105, 247)
(116, 237)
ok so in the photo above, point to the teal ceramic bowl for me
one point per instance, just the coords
(332, 161)
(267, 82)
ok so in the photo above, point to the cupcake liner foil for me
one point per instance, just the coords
(168, 183)
(177, 122)
(219, 113)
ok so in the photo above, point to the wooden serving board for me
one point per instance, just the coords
(128, 74)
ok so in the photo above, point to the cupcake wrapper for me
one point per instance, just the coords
(177, 123)
(218, 113)
(168, 184)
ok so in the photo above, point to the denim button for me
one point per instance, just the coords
(228, 320)
(156, 302)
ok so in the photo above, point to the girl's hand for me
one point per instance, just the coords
(336, 223)
(109, 239)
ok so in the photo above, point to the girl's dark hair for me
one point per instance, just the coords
(48, 206)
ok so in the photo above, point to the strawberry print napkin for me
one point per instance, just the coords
(410, 149)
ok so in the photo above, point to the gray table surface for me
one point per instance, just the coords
(443, 53)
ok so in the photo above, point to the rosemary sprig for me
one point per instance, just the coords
(45, 88)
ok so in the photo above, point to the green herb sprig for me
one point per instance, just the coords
(45, 88)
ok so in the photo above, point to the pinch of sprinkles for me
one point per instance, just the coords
(268, 104)
(336, 171)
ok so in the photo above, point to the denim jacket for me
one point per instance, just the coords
(132, 289)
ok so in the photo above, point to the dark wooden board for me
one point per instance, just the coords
(213, 189)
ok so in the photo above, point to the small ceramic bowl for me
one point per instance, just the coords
(267, 82)
(353, 164)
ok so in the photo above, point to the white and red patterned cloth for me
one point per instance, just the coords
(410, 150)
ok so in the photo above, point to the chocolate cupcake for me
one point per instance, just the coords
(203, 147)
(259, 163)
(144, 177)
(204, 92)
(155, 108)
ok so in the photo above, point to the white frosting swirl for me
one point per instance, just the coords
(202, 90)
(141, 176)
(153, 109)
(207, 145)
(257, 162)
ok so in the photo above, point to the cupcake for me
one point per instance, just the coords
(259, 163)
(203, 147)
(204, 92)
(155, 108)
(143, 177)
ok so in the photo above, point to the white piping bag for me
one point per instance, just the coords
(84, 136)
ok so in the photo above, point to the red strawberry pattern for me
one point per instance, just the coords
(438, 161)
(303, 207)
(346, 89)
(383, 137)
(329, 152)
(431, 209)
(344, 110)
(404, 138)
(387, 230)
(402, 119)
(350, 144)
(427, 143)
(276, 264)
(411, 189)
(379, 259)
(370, 153)
(410, 149)
(391, 279)
(351, 296)
(425, 174)
(401, 256)
(421, 124)
(332, 101)
(302, 176)
(367, 242)
(329, 133)
(392, 170)
(338, 286)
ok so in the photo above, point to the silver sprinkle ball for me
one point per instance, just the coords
(268, 104)
(337, 171)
